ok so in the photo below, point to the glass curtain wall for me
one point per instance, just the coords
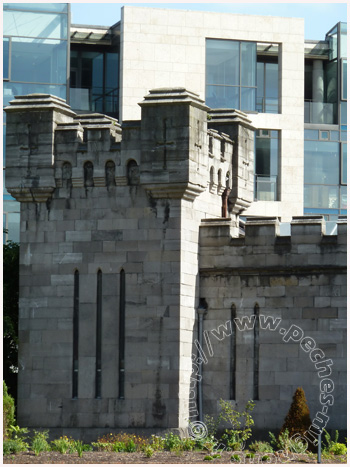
(325, 164)
(238, 78)
(231, 74)
(35, 51)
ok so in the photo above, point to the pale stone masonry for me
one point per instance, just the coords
(125, 229)
(167, 48)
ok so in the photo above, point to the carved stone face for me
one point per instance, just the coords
(133, 173)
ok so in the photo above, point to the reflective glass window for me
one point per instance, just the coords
(344, 77)
(28, 24)
(344, 136)
(267, 87)
(222, 62)
(321, 196)
(6, 56)
(331, 82)
(334, 135)
(344, 113)
(321, 162)
(333, 43)
(343, 40)
(343, 198)
(248, 64)
(223, 97)
(344, 165)
(19, 89)
(231, 74)
(311, 135)
(38, 61)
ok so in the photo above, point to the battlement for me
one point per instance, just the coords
(263, 246)
(170, 152)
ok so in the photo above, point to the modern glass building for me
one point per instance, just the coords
(325, 140)
(35, 60)
(109, 70)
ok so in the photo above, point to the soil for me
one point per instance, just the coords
(182, 457)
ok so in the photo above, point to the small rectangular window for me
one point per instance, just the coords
(324, 135)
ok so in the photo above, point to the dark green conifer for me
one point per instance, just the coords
(298, 418)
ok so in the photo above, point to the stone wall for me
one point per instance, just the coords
(123, 234)
(293, 282)
(102, 204)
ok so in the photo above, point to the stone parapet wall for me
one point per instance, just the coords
(294, 282)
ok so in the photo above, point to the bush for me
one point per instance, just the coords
(298, 418)
(17, 443)
(261, 446)
(13, 446)
(63, 445)
(285, 443)
(157, 443)
(172, 442)
(241, 423)
(39, 442)
(8, 412)
(338, 449)
(332, 446)
(148, 451)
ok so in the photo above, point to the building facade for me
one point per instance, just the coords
(294, 90)
(132, 246)
(129, 239)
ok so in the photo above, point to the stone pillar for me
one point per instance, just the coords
(317, 92)
(174, 171)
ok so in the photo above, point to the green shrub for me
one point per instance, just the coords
(8, 411)
(188, 444)
(109, 447)
(285, 443)
(216, 456)
(157, 443)
(250, 455)
(235, 458)
(208, 458)
(172, 442)
(261, 446)
(118, 446)
(39, 442)
(63, 445)
(338, 449)
(130, 446)
(332, 446)
(148, 450)
(241, 423)
(13, 446)
(265, 458)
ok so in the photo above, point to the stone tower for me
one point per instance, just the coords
(109, 284)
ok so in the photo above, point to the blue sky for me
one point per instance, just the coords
(319, 17)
